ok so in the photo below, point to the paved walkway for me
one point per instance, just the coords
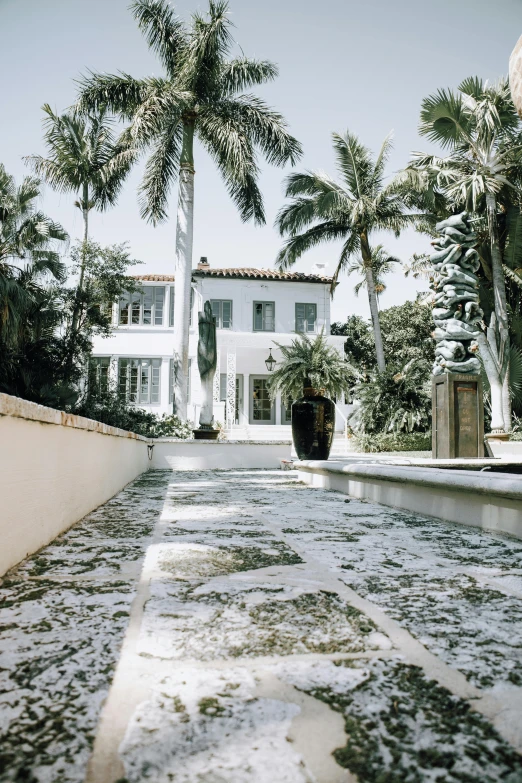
(240, 627)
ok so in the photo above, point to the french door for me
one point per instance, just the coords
(262, 409)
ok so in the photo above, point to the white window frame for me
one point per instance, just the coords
(263, 315)
(219, 315)
(305, 318)
(141, 383)
(146, 307)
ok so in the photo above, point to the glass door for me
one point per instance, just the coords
(262, 410)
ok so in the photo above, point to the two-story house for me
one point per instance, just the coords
(254, 308)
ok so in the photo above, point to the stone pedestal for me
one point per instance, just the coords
(458, 416)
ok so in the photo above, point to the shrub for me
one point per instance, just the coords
(111, 409)
(394, 401)
(392, 441)
(169, 426)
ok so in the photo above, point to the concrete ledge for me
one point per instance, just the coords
(171, 454)
(55, 469)
(31, 411)
(485, 500)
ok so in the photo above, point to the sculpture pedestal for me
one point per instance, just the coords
(458, 416)
(202, 434)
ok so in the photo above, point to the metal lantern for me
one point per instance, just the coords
(270, 362)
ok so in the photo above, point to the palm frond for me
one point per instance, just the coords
(243, 73)
(161, 172)
(163, 30)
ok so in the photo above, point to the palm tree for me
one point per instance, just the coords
(479, 126)
(201, 96)
(322, 210)
(309, 362)
(29, 250)
(85, 159)
(382, 263)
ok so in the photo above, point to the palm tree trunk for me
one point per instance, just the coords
(500, 335)
(183, 271)
(77, 299)
(372, 299)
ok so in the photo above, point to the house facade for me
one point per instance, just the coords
(254, 309)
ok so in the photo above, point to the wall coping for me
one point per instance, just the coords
(18, 408)
(194, 442)
(500, 485)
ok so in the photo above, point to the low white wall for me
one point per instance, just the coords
(170, 454)
(54, 469)
(485, 500)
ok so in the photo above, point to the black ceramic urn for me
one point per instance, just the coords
(313, 421)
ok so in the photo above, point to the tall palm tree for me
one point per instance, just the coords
(479, 126)
(322, 210)
(201, 96)
(85, 159)
(382, 264)
(29, 250)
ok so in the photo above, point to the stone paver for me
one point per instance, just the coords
(239, 627)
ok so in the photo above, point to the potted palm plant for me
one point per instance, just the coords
(310, 373)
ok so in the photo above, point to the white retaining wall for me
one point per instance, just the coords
(486, 500)
(170, 454)
(54, 469)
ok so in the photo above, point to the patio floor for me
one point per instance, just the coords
(240, 627)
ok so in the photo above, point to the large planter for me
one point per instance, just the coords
(313, 421)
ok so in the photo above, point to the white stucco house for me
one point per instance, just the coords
(254, 310)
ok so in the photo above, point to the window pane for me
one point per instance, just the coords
(147, 305)
(191, 305)
(171, 308)
(269, 317)
(144, 380)
(223, 386)
(123, 366)
(258, 316)
(299, 318)
(216, 311)
(311, 315)
(155, 381)
(261, 403)
(136, 307)
(159, 296)
(124, 309)
(133, 371)
(226, 322)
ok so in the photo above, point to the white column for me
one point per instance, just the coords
(231, 387)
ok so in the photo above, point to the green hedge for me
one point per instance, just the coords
(391, 441)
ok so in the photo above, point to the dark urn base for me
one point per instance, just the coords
(200, 434)
(313, 421)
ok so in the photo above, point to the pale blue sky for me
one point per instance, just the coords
(343, 64)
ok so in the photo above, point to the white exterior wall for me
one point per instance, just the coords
(250, 348)
(54, 469)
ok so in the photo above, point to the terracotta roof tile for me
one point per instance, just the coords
(154, 278)
(245, 273)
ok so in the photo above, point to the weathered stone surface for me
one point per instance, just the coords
(248, 656)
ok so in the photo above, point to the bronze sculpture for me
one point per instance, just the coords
(207, 362)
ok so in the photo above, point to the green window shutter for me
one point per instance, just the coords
(171, 306)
